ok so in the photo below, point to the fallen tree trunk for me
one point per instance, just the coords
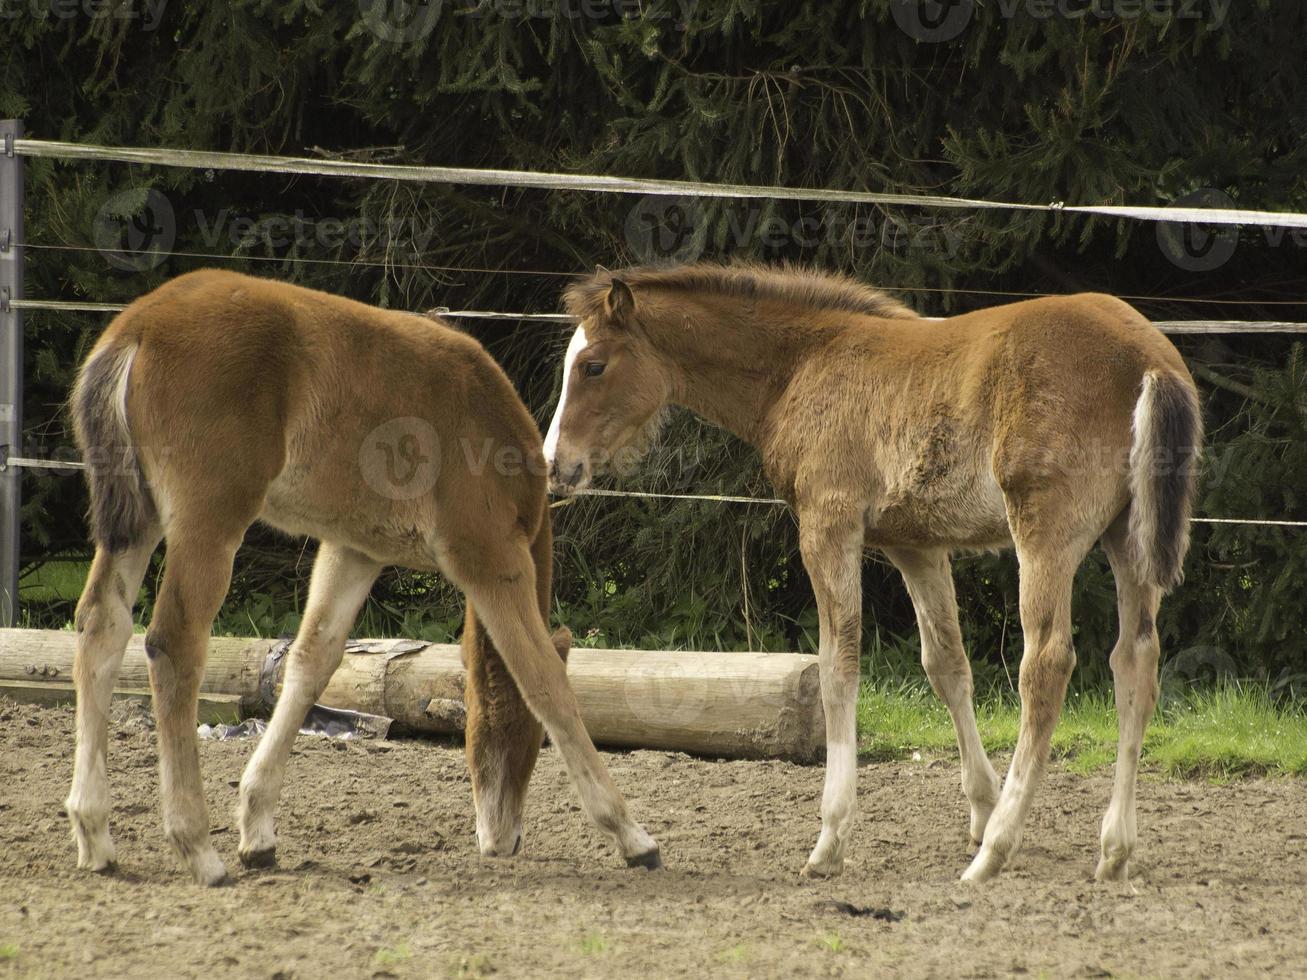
(746, 705)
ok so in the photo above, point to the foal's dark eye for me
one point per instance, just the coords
(592, 369)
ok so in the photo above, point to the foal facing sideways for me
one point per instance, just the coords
(1045, 425)
(218, 400)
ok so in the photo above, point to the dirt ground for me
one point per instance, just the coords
(380, 874)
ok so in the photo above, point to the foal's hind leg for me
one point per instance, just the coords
(930, 583)
(341, 580)
(1048, 563)
(499, 579)
(1134, 668)
(104, 625)
(196, 576)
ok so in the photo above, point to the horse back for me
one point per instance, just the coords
(352, 423)
(938, 423)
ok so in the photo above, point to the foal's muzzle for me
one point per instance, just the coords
(567, 478)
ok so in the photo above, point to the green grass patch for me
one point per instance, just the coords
(735, 954)
(54, 581)
(8, 951)
(394, 955)
(594, 944)
(1222, 731)
(831, 942)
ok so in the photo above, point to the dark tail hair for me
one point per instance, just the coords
(1168, 435)
(122, 510)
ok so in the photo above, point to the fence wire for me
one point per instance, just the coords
(604, 183)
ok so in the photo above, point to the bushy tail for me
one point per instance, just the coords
(122, 510)
(1168, 435)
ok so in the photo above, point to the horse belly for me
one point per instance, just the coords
(960, 509)
(302, 501)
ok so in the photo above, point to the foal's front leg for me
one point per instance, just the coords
(929, 579)
(832, 554)
(341, 581)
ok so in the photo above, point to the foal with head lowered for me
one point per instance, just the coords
(1047, 425)
(220, 399)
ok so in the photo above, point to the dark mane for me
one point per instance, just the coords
(808, 288)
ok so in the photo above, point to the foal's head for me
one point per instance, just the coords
(614, 389)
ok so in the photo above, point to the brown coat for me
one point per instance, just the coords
(221, 399)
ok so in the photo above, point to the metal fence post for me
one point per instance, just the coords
(11, 363)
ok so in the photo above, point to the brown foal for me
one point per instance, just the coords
(1046, 425)
(218, 400)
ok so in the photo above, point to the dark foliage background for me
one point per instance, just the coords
(1084, 106)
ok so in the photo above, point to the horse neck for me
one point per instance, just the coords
(729, 366)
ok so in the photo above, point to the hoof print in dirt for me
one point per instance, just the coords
(861, 911)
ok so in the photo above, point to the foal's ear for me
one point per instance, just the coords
(620, 301)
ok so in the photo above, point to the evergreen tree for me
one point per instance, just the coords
(1088, 104)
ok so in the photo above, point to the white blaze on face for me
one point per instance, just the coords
(578, 344)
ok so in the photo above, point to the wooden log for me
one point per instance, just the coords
(213, 709)
(232, 667)
(745, 705)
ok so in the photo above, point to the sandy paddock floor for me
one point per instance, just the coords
(380, 876)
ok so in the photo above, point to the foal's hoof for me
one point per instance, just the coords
(984, 866)
(266, 858)
(822, 870)
(649, 860)
(108, 869)
(213, 879)
(1112, 869)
